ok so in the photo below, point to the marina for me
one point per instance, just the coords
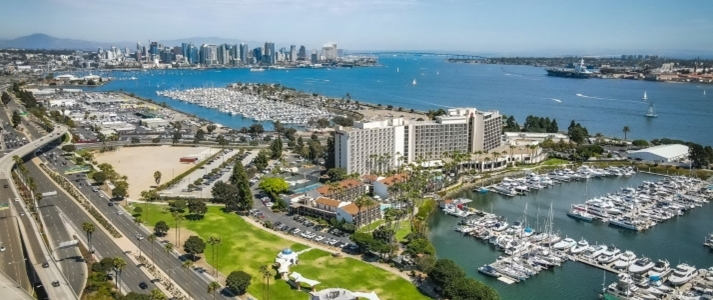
(557, 281)
(258, 108)
(529, 251)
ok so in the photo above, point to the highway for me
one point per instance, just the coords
(12, 260)
(102, 243)
(195, 283)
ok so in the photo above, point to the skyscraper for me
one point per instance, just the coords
(139, 48)
(314, 58)
(293, 53)
(193, 54)
(234, 53)
(223, 57)
(329, 51)
(257, 54)
(209, 54)
(244, 50)
(268, 54)
(302, 54)
(153, 48)
(185, 50)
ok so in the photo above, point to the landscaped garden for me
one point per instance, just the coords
(246, 248)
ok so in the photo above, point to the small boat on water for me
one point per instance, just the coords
(578, 214)
(651, 113)
(257, 69)
(488, 270)
(708, 242)
(644, 97)
(414, 81)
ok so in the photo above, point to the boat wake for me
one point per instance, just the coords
(520, 76)
(608, 99)
(556, 100)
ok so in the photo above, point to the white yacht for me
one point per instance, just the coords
(594, 253)
(581, 246)
(642, 265)
(625, 260)
(660, 269)
(682, 274)
(565, 244)
(609, 256)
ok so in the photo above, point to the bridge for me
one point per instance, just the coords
(454, 56)
(37, 251)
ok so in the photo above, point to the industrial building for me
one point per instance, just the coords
(154, 122)
(662, 153)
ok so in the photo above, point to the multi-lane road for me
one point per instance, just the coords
(12, 260)
(102, 243)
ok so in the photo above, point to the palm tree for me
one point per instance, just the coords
(151, 238)
(168, 247)
(266, 274)
(156, 294)
(213, 287)
(187, 264)
(512, 147)
(89, 230)
(178, 217)
(626, 130)
(157, 176)
(119, 265)
(214, 241)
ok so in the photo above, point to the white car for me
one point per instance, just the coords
(2, 248)
(118, 212)
(319, 238)
(17, 199)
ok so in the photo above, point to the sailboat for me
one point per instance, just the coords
(414, 81)
(651, 113)
(704, 93)
(397, 69)
(644, 97)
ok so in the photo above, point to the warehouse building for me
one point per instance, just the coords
(662, 153)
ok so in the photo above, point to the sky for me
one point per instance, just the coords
(480, 26)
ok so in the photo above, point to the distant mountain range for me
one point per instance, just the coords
(43, 41)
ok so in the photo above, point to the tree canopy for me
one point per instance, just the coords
(274, 186)
(238, 282)
(194, 245)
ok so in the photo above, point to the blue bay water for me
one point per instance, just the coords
(602, 105)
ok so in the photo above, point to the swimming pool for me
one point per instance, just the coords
(308, 188)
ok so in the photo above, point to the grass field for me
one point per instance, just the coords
(555, 162)
(245, 247)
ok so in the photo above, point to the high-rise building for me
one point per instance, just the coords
(166, 56)
(314, 57)
(329, 51)
(100, 50)
(126, 51)
(139, 48)
(223, 58)
(293, 53)
(153, 48)
(257, 54)
(193, 57)
(268, 54)
(382, 145)
(209, 54)
(185, 50)
(234, 53)
(244, 52)
(302, 54)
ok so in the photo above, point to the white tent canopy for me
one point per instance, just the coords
(370, 296)
(297, 277)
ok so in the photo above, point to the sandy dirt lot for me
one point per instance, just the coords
(139, 164)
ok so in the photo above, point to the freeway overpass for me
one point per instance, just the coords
(31, 237)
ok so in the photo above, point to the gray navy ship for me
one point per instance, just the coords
(579, 71)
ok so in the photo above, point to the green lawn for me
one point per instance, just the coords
(555, 162)
(246, 248)
(404, 230)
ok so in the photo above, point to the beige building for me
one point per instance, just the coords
(380, 146)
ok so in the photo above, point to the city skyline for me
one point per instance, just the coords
(453, 25)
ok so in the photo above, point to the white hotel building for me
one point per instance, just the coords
(382, 145)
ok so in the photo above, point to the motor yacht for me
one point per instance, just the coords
(594, 253)
(661, 268)
(682, 274)
(501, 226)
(580, 215)
(623, 289)
(581, 246)
(609, 256)
(709, 241)
(641, 265)
(488, 270)
(625, 260)
(565, 244)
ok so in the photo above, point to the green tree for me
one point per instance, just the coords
(200, 135)
(119, 265)
(640, 143)
(274, 186)
(99, 177)
(211, 128)
(157, 294)
(119, 192)
(300, 145)
(151, 239)
(156, 140)
(337, 174)
(444, 271)
(197, 207)
(89, 231)
(16, 119)
(626, 131)
(157, 176)
(279, 128)
(276, 148)
(213, 287)
(244, 197)
(464, 288)
(194, 245)
(425, 263)
(261, 161)
(69, 148)
(138, 210)
(161, 228)
(238, 282)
